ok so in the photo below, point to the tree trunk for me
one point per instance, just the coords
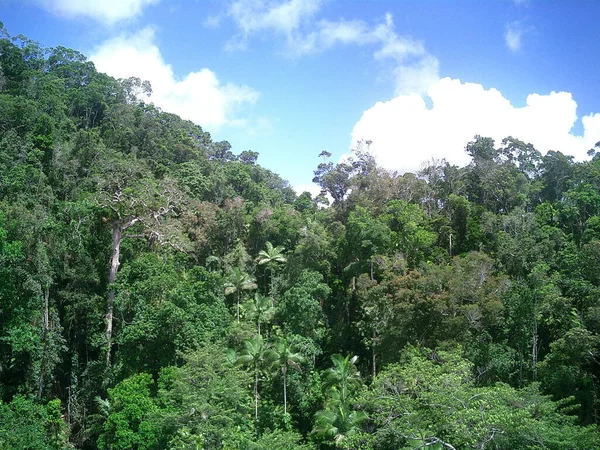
(114, 266)
(45, 331)
(46, 309)
(271, 293)
(534, 341)
(256, 395)
(374, 355)
(284, 371)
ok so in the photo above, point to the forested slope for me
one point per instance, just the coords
(158, 291)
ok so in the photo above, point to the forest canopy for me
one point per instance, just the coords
(159, 291)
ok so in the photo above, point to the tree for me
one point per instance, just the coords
(237, 283)
(129, 424)
(133, 200)
(260, 309)
(299, 309)
(342, 382)
(333, 179)
(27, 425)
(206, 402)
(285, 357)
(258, 355)
(269, 257)
(431, 398)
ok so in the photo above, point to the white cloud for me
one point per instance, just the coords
(199, 96)
(258, 15)
(313, 188)
(412, 67)
(253, 16)
(108, 11)
(418, 76)
(405, 132)
(513, 36)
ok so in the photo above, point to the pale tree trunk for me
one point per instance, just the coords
(256, 395)
(112, 274)
(45, 332)
(374, 338)
(46, 309)
(284, 371)
(374, 354)
(534, 342)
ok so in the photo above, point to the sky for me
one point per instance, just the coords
(291, 78)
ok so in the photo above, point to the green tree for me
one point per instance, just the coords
(286, 357)
(129, 424)
(27, 425)
(136, 207)
(237, 283)
(269, 257)
(205, 403)
(260, 309)
(342, 382)
(440, 404)
(259, 356)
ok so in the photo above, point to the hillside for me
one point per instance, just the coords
(159, 291)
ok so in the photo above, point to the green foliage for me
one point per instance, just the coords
(281, 440)
(27, 425)
(300, 309)
(128, 237)
(129, 424)
(439, 403)
(206, 402)
(342, 383)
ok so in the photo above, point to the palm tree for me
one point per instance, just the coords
(338, 420)
(256, 354)
(286, 357)
(343, 379)
(260, 309)
(269, 256)
(238, 282)
(337, 424)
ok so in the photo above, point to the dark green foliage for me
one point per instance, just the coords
(27, 425)
(130, 409)
(438, 402)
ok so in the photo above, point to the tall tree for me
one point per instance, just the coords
(237, 283)
(258, 355)
(136, 206)
(338, 420)
(260, 309)
(286, 357)
(269, 256)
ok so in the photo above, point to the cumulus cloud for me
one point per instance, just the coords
(413, 68)
(199, 96)
(108, 11)
(513, 36)
(406, 133)
(313, 188)
(258, 15)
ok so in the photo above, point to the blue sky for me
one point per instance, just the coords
(290, 78)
